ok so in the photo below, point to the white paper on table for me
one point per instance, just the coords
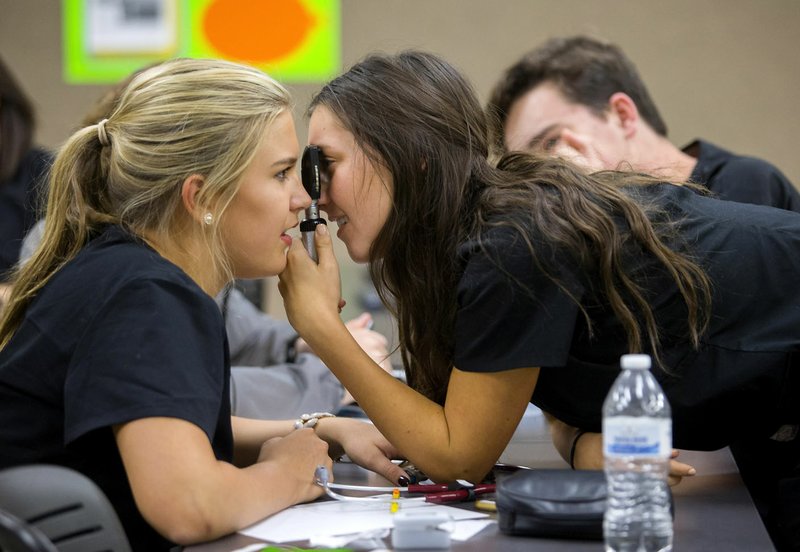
(465, 529)
(331, 518)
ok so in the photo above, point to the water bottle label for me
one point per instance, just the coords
(639, 437)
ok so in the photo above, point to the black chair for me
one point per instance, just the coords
(18, 536)
(63, 505)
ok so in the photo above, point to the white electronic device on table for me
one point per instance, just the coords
(420, 529)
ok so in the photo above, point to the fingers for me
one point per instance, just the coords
(305, 451)
(578, 149)
(381, 465)
(324, 245)
(373, 343)
(574, 141)
(301, 448)
(370, 340)
(679, 470)
(394, 472)
(566, 152)
(367, 447)
(363, 321)
(310, 289)
(296, 248)
(327, 260)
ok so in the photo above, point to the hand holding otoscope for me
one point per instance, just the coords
(310, 173)
(311, 167)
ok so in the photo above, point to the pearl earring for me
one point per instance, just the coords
(208, 218)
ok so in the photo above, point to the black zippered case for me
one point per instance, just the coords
(552, 503)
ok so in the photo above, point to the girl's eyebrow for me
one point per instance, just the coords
(285, 161)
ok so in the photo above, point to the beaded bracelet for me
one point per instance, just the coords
(310, 420)
(577, 436)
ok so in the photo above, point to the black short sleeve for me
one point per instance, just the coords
(19, 204)
(119, 333)
(152, 350)
(749, 180)
(511, 314)
(741, 178)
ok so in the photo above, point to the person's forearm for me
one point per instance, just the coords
(417, 426)
(562, 435)
(585, 447)
(189, 496)
(229, 500)
(250, 434)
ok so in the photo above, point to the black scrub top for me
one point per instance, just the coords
(742, 379)
(741, 178)
(20, 201)
(118, 334)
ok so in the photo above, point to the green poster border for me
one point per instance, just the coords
(318, 59)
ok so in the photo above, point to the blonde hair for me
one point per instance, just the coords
(181, 118)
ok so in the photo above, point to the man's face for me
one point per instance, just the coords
(544, 121)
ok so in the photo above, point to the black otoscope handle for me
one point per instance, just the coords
(310, 173)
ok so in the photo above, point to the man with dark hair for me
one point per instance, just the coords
(584, 99)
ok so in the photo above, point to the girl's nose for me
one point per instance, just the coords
(300, 198)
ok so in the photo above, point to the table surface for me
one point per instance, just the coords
(713, 510)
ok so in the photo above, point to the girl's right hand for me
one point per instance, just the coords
(311, 292)
(297, 456)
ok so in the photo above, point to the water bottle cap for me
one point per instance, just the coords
(635, 362)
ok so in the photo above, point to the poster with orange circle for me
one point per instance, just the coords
(292, 40)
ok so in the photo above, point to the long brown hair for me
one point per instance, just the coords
(416, 115)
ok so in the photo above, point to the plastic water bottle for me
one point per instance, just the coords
(637, 444)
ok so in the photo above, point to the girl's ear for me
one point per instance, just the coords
(189, 191)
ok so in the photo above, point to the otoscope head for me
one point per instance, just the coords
(310, 168)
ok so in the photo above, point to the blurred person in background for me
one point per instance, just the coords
(23, 169)
(584, 99)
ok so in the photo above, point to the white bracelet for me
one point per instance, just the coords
(310, 420)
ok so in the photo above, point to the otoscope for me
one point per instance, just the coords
(310, 167)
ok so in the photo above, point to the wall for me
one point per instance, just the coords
(726, 70)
